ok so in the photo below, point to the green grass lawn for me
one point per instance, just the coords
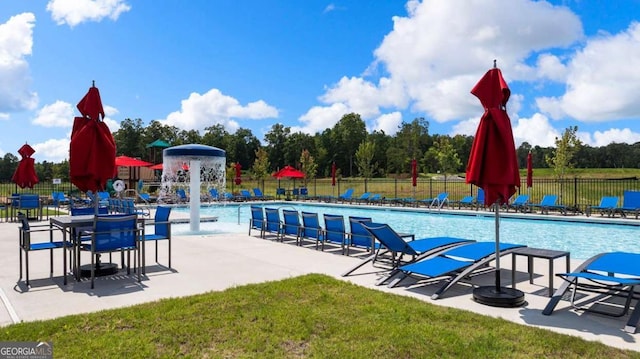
(308, 316)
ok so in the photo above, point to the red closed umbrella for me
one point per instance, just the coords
(238, 174)
(493, 166)
(529, 170)
(414, 172)
(333, 174)
(25, 174)
(92, 150)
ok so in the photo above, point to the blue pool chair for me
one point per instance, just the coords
(246, 195)
(375, 198)
(358, 235)
(615, 273)
(347, 196)
(291, 225)
(181, 196)
(630, 203)
(608, 205)
(213, 194)
(311, 228)
(257, 220)
(334, 231)
(549, 203)
(437, 202)
(454, 264)
(272, 224)
(259, 195)
(363, 197)
(519, 204)
(161, 232)
(466, 201)
(394, 244)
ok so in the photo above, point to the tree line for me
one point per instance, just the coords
(355, 152)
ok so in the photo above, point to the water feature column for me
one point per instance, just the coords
(194, 201)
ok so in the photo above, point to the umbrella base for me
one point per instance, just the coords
(101, 270)
(505, 297)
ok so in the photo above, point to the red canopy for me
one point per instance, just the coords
(288, 171)
(126, 161)
(529, 170)
(333, 174)
(238, 174)
(25, 174)
(156, 166)
(493, 164)
(92, 150)
(414, 172)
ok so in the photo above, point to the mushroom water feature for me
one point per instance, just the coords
(192, 167)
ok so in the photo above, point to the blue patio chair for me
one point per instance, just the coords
(214, 195)
(113, 234)
(334, 231)
(608, 205)
(363, 197)
(304, 193)
(437, 202)
(466, 201)
(394, 244)
(347, 196)
(181, 196)
(311, 228)
(161, 232)
(630, 203)
(519, 204)
(257, 220)
(549, 203)
(358, 235)
(245, 195)
(27, 245)
(608, 274)
(454, 264)
(280, 192)
(375, 198)
(273, 224)
(291, 225)
(258, 194)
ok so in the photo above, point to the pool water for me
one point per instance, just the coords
(583, 240)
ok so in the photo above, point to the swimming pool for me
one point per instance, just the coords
(583, 240)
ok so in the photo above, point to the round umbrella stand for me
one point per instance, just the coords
(101, 269)
(502, 297)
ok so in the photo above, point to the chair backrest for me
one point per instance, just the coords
(480, 196)
(334, 228)
(83, 211)
(273, 219)
(442, 197)
(181, 194)
(295, 191)
(162, 226)
(549, 200)
(304, 191)
(520, 200)
(467, 199)
(348, 193)
(258, 192)
(214, 193)
(365, 195)
(257, 217)
(631, 199)
(103, 195)
(609, 202)
(359, 235)
(114, 232)
(389, 238)
(310, 225)
(245, 193)
(291, 221)
(29, 201)
(280, 191)
(617, 262)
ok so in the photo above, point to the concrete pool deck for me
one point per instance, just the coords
(203, 263)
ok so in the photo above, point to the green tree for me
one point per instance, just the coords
(346, 136)
(365, 159)
(129, 138)
(261, 164)
(566, 147)
(276, 140)
(308, 166)
(447, 157)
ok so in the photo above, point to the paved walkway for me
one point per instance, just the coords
(205, 263)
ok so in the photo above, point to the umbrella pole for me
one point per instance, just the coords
(497, 216)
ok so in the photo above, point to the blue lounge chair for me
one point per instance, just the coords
(466, 201)
(311, 228)
(519, 204)
(549, 203)
(363, 197)
(630, 203)
(214, 195)
(613, 273)
(334, 231)
(608, 206)
(257, 220)
(161, 232)
(347, 196)
(257, 192)
(454, 264)
(245, 195)
(438, 202)
(358, 235)
(291, 225)
(393, 243)
(181, 196)
(272, 222)
(375, 198)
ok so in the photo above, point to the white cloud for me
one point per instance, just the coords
(389, 123)
(604, 138)
(52, 150)
(200, 111)
(550, 66)
(74, 12)
(111, 123)
(16, 41)
(535, 130)
(331, 7)
(466, 127)
(319, 118)
(58, 114)
(603, 80)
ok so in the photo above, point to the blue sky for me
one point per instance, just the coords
(304, 64)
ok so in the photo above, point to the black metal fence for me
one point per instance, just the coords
(573, 192)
